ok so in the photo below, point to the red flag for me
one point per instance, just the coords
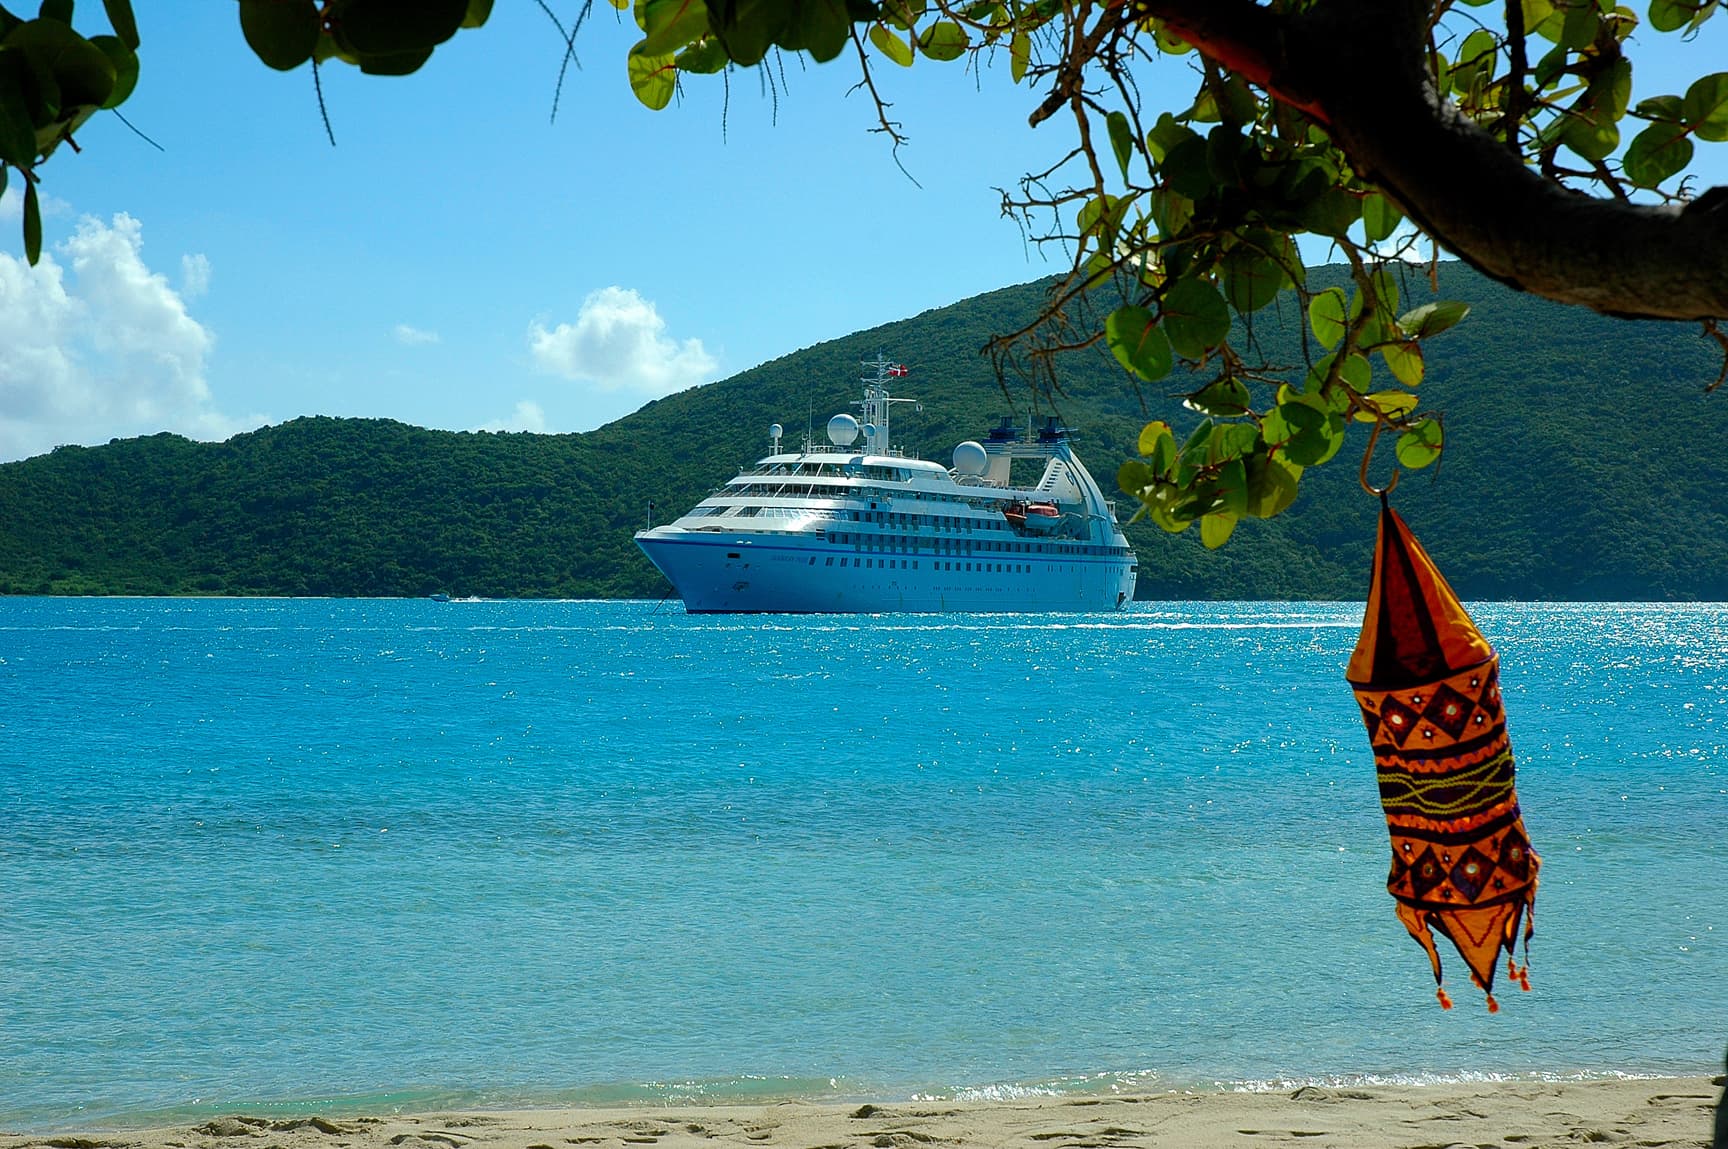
(898, 369)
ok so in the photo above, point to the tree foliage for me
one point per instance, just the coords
(1507, 133)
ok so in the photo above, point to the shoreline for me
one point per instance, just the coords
(1671, 1111)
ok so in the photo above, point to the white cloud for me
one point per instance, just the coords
(94, 345)
(194, 275)
(527, 417)
(619, 343)
(413, 336)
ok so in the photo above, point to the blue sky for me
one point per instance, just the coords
(457, 261)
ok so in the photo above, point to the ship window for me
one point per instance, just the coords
(830, 561)
(812, 560)
(732, 554)
(914, 564)
(842, 562)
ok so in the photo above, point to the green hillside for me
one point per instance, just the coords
(1582, 462)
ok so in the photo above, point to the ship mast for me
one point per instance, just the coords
(878, 403)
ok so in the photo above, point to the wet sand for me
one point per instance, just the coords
(1514, 1115)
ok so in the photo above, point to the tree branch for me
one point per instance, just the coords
(1358, 67)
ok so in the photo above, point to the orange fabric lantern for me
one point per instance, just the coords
(1428, 685)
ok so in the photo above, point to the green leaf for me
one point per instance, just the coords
(1121, 140)
(1661, 108)
(818, 28)
(1656, 153)
(671, 24)
(1233, 487)
(281, 33)
(1215, 529)
(76, 70)
(1138, 345)
(1271, 485)
(1421, 444)
(394, 63)
(1326, 316)
(944, 40)
(60, 10)
(17, 133)
(1196, 319)
(1672, 15)
(703, 58)
(1315, 435)
(1379, 218)
(479, 11)
(1432, 318)
(1226, 398)
(1332, 212)
(120, 19)
(1152, 436)
(1019, 55)
(1405, 360)
(1135, 477)
(1166, 133)
(399, 27)
(1185, 168)
(32, 224)
(652, 78)
(891, 45)
(1252, 279)
(125, 64)
(1391, 404)
(1705, 107)
(1591, 135)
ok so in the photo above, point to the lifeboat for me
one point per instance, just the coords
(1033, 518)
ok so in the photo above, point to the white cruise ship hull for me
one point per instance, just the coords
(780, 574)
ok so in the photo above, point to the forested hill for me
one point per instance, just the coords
(1583, 461)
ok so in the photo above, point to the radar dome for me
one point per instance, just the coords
(842, 430)
(970, 459)
(775, 430)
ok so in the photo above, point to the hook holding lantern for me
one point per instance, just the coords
(1368, 457)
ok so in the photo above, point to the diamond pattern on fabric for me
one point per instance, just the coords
(1449, 710)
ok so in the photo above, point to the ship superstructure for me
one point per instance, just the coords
(857, 525)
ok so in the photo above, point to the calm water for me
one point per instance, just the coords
(264, 854)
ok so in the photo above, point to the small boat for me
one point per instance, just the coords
(439, 597)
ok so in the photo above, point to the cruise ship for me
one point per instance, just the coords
(858, 526)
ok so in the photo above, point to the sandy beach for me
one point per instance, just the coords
(1663, 1112)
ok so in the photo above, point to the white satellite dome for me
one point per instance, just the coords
(870, 432)
(970, 459)
(775, 430)
(842, 430)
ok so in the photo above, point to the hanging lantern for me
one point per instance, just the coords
(1428, 685)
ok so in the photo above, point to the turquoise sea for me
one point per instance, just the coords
(282, 855)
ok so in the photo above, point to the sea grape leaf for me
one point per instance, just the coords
(1421, 444)
(1138, 345)
(1121, 139)
(281, 33)
(32, 224)
(652, 78)
(1656, 153)
(121, 20)
(1196, 319)
(1216, 528)
(1379, 218)
(1391, 404)
(1225, 398)
(671, 24)
(1432, 318)
(1326, 316)
(943, 40)
(1705, 107)
(1405, 360)
(890, 45)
